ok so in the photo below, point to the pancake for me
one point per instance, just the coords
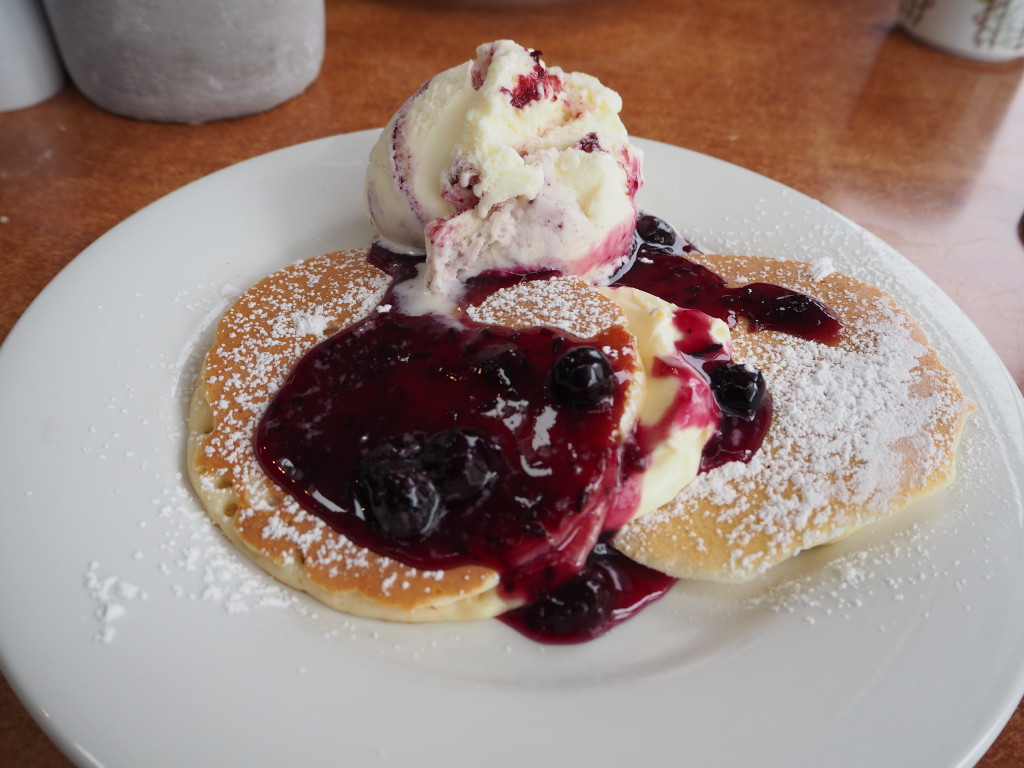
(859, 430)
(258, 341)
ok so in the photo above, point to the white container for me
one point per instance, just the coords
(30, 69)
(189, 61)
(985, 30)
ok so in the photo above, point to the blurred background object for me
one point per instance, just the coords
(30, 69)
(986, 30)
(189, 61)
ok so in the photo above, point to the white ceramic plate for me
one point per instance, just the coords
(138, 638)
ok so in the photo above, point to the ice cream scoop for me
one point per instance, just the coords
(502, 164)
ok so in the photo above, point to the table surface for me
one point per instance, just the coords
(832, 99)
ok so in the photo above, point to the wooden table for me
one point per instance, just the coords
(924, 150)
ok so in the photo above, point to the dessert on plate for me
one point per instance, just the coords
(527, 399)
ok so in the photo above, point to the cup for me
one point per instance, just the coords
(30, 69)
(189, 61)
(985, 30)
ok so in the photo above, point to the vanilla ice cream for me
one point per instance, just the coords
(504, 164)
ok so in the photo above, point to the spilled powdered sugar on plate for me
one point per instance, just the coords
(191, 556)
(111, 595)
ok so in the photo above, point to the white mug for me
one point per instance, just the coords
(985, 30)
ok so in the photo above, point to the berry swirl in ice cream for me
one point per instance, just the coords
(505, 164)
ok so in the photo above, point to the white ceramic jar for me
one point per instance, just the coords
(189, 61)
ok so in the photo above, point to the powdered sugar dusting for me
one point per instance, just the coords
(557, 302)
(111, 596)
(859, 430)
(311, 322)
(204, 567)
(253, 342)
(820, 270)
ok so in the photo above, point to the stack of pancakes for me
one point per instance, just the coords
(859, 430)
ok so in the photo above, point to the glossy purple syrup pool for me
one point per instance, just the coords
(419, 437)
(439, 441)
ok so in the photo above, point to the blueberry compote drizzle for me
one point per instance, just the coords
(661, 268)
(441, 442)
(406, 434)
(610, 589)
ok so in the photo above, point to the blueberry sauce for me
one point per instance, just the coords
(418, 390)
(742, 429)
(441, 442)
(661, 269)
(608, 590)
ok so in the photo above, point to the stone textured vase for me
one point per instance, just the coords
(189, 61)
